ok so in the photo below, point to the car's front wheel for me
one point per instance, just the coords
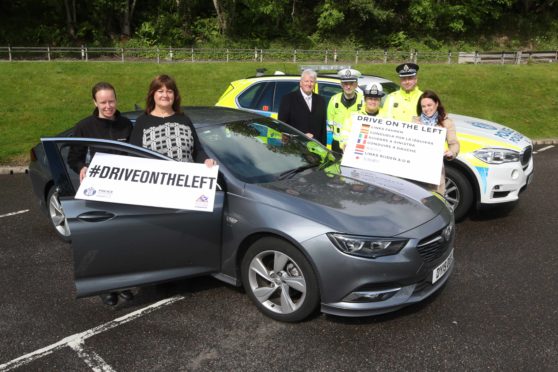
(56, 215)
(279, 280)
(459, 193)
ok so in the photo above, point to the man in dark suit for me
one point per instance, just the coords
(304, 109)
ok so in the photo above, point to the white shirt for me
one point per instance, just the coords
(307, 98)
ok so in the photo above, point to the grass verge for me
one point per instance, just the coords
(43, 98)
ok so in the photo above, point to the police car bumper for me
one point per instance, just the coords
(504, 182)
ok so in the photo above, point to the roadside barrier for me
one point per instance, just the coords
(327, 56)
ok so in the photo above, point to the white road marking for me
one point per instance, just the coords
(90, 357)
(543, 149)
(80, 337)
(14, 213)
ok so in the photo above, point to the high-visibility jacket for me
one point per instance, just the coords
(348, 126)
(337, 114)
(400, 105)
(364, 112)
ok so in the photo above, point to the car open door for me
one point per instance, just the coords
(118, 246)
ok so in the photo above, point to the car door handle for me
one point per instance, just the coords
(96, 216)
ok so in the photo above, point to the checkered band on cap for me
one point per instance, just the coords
(374, 90)
(407, 69)
(349, 74)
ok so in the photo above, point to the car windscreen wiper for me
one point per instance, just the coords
(292, 172)
(329, 161)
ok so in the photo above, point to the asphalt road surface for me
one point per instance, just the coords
(498, 311)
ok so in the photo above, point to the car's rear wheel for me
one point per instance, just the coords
(56, 215)
(459, 193)
(279, 280)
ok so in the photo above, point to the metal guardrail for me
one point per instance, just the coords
(168, 55)
(503, 57)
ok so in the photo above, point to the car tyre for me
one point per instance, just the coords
(459, 193)
(280, 280)
(57, 216)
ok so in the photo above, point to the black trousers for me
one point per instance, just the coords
(335, 147)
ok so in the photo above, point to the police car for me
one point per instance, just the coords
(494, 164)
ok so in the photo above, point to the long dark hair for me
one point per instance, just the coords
(434, 97)
(101, 86)
(157, 83)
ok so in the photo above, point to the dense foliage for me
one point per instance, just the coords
(311, 24)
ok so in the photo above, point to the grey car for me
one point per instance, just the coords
(291, 225)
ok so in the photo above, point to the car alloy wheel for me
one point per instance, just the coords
(459, 193)
(452, 193)
(57, 216)
(279, 280)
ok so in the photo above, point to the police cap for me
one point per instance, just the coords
(407, 69)
(374, 90)
(348, 75)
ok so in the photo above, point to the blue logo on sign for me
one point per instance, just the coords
(89, 191)
(202, 202)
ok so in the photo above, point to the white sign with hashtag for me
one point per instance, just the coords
(149, 182)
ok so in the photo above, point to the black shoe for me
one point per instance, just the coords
(126, 295)
(109, 299)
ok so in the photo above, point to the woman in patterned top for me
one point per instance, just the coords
(164, 127)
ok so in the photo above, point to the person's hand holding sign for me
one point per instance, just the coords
(448, 154)
(210, 162)
(82, 174)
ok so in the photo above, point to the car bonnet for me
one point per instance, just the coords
(488, 133)
(354, 201)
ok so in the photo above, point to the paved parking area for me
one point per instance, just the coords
(497, 312)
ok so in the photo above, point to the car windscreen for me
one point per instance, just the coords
(262, 150)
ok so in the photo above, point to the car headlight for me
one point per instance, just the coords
(366, 246)
(497, 156)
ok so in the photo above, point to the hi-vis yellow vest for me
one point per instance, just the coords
(400, 105)
(337, 113)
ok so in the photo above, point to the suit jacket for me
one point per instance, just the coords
(294, 111)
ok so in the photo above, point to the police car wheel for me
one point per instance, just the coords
(279, 280)
(57, 216)
(459, 193)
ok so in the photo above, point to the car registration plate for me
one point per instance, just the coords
(441, 269)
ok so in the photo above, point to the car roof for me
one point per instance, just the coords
(208, 115)
(362, 80)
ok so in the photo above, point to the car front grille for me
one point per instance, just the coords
(526, 156)
(433, 247)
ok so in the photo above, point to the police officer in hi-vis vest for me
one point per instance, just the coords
(342, 105)
(401, 105)
(373, 94)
